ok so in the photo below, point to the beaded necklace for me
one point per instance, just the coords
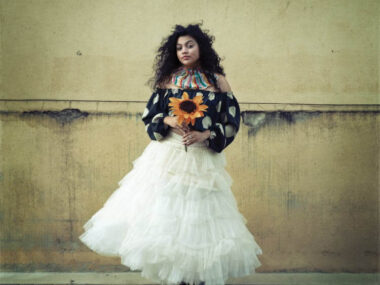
(192, 78)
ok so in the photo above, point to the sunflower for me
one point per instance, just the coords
(187, 109)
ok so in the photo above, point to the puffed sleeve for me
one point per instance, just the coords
(223, 132)
(153, 116)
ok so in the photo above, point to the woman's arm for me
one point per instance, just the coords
(153, 116)
(224, 131)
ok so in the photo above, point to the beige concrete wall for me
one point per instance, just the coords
(305, 175)
(308, 51)
(307, 181)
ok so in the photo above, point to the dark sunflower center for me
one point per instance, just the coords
(187, 106)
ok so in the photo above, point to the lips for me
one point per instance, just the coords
(185, 57)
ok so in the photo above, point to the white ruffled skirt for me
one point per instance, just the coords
(175, 218)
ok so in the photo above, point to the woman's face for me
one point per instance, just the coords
(187, 51)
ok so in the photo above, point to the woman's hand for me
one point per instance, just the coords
(191, 137)
(172, 122)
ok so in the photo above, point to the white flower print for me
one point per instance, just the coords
(155, 100)
(157, 117)
(175, 90)
(211, 96)
(146, 111)
(230, 131)
(157, 135)
(220, 127)
(219, 106)
(232, 111)
(206, 122)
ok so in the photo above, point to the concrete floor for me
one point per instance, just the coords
(132, 278)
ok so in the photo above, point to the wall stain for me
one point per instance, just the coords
(67, 116)
(291, 200)
(253, 119)
(64, 116)
(370, 253)
(329, 252)
(258, 119)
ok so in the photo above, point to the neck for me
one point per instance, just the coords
(191, 67)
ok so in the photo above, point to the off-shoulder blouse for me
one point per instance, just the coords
(222, 116)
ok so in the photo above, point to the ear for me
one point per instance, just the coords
(223, 83)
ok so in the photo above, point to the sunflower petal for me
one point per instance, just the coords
(203, 107)
(197, 114)
(173, 99)
(198, 99)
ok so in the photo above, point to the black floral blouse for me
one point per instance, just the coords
(222, 116)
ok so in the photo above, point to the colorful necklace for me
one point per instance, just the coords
(192, 78)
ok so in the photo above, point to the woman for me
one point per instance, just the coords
(174, 216)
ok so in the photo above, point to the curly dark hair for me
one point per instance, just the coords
(166, 60)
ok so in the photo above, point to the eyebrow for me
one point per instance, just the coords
(186, 42)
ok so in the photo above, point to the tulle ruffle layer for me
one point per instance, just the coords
(175, 218)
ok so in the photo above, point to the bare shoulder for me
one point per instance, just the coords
(223, 84)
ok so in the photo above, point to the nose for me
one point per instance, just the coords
(185, 50)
